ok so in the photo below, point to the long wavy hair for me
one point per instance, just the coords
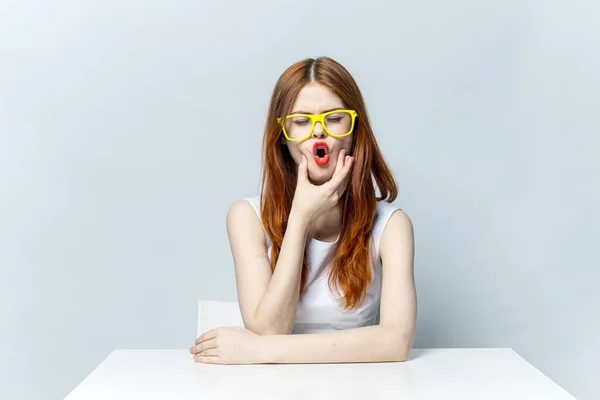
(351, 271)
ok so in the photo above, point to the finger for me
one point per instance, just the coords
(340, 162)
(303, 169)
(342, 188)
(209, 352)
(207, 336)
(208, 359)
(338, 179)
(205, 345)
(347, 167)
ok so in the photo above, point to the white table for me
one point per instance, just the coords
(481, 374)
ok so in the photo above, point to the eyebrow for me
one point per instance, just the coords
(324, 111)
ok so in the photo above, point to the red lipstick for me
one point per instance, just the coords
(321, 153)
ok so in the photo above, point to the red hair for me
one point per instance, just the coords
(351, 270)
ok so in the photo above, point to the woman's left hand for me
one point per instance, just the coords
(235, 345)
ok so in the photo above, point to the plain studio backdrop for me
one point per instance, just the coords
(128, 128)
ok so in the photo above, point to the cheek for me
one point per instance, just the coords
(295, 152)
(348, 145)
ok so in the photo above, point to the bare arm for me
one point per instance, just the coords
(375, 343)
(268, 301)
(391, 340)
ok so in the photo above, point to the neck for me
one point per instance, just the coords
(327, 226)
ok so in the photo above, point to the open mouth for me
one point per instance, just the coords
(321, 153)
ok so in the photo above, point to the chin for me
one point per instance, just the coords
(317, 183)
(319, 179)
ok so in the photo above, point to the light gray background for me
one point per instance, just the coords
(127, 128)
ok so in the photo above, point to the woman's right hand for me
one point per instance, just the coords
(311, 201)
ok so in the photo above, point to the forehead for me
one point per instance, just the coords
(316, 97)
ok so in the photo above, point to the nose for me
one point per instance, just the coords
(319, 132)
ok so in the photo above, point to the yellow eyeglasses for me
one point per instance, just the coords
(299, 127)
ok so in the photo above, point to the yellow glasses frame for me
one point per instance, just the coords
(317, 118)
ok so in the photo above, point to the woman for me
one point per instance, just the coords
(319, 256)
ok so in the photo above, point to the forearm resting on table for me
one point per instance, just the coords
(276, 311)
(365, 344)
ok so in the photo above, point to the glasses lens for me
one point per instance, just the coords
(298, 127)
(338, 123)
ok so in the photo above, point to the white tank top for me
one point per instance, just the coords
(319, 310)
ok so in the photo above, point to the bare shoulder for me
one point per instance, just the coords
(241, 209)
(244, 224)
(400, 220)
(398, 234)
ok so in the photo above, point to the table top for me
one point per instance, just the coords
(427, 374)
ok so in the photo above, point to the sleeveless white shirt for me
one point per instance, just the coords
(320, 310)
